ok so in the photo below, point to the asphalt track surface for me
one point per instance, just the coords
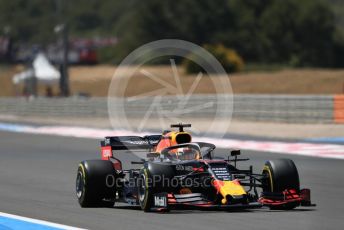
(37, 180)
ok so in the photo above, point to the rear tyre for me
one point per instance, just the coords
(95, 184)
(145, 191)
(281, 174)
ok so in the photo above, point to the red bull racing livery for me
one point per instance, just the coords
(176, 172)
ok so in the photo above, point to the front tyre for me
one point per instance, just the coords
(92, 183)
(280, 175)
(145, 191)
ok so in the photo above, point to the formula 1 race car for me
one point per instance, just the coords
(179, 173)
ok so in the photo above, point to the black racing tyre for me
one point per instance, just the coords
(145, 190)
(281, 174)
(96, 183)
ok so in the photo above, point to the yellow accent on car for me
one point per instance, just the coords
(83, 173)
(230, 188)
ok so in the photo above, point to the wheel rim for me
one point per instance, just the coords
(142, 188)
(79, 185)
(268, 181)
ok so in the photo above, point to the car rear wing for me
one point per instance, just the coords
(131, 142)
(109, 144)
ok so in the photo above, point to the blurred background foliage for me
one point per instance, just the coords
(229, 59)
(283, 32)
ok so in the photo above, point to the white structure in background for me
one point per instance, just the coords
(44, 72)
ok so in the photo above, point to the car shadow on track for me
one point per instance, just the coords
(127, 207)
(181, 210)
(296, 210)
(197, 210)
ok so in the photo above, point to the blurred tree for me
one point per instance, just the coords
(299, 33)
(243, 30)
(29, 20)
(229, 59)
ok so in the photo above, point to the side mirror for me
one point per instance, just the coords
(235, 152)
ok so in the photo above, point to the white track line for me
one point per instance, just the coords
(322, 150)
(296, 148)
